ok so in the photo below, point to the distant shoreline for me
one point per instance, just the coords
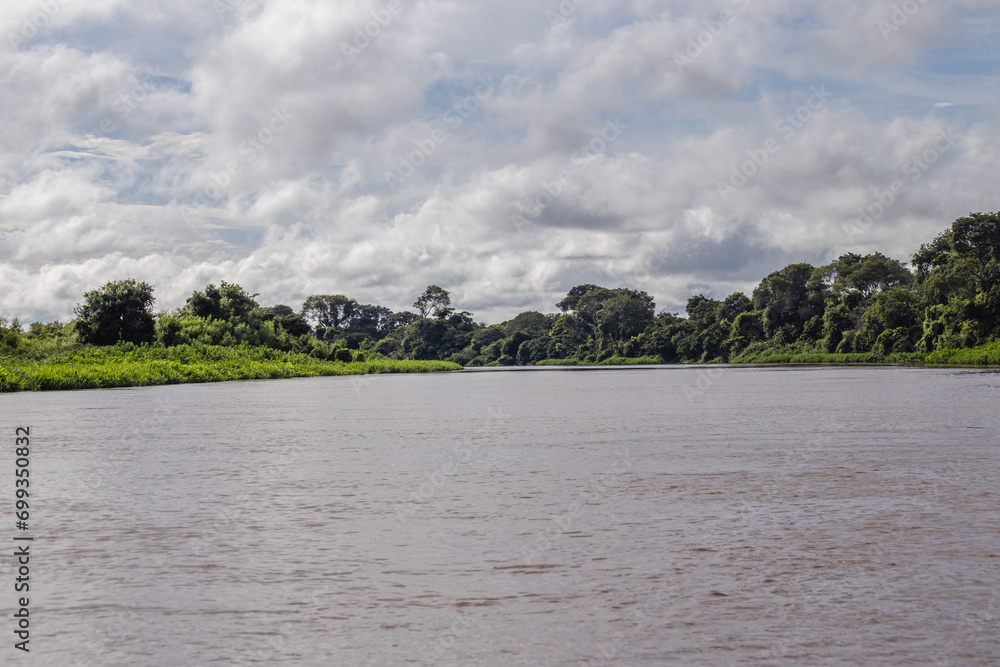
(127, 365)
(987, 356)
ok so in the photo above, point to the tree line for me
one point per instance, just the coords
(857, 303)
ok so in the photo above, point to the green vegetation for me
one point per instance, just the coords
(610, 361)
(856, 310)
(984, 355)
(859, 309)
(128, 365)
(120, 310)
(811, 358)
(221, 333)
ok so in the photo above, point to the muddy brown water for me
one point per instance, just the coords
(702, 516)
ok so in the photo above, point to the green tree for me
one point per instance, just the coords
(573, 297)
(434, 301)
(119, 311)
(734, 305)
(958, 276)
(11, 341)
(399, 320)
(612, 315)
(371, 321)
(568, 334)
(329, 311)
(532, 350)
(532, 323)
(897, 309)
(659, 339)
(869, 274)
(625, 314)
(487, 336)
(288, 319)
(228, 302)
(787, 301)
(437, 338)
(747, 328)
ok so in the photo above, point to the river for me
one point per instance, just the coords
(649, 516)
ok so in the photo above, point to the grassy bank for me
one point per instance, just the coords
(130, 366)
(610, 361)
(810, 358)
(985, 355)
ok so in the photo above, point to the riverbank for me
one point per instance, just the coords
(138, 366)
(985, 355)
(610, 361)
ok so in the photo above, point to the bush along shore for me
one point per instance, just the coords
(869, 309)
(129, 365)
(986, 355)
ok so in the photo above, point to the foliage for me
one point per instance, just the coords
(434, 301)
(856, 309)
(187, 329)
(958, 276)
(128, 365)
(338, 318)
(228, 302)
(12, 343)
(288, 319)
(810, 358)
(610, 361)
(119, 311)
(984, 355)
(329, 311)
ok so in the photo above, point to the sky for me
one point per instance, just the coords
(505, 151)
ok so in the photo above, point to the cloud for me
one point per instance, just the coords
(504, 151)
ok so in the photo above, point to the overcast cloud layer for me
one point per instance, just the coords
(506, 151)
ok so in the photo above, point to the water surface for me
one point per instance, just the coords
(725, 516)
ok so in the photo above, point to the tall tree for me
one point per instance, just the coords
(958, 275)
(530, 322)
(371, 321)
(434, 301)
(869, 274)
(119, 311)
(625, 314)
(288, 319)
(329, 311)
(573, 297)
(784, 296)
(228, 302)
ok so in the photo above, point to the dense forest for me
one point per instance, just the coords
(857, 304)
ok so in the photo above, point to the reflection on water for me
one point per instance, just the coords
(655, 516)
